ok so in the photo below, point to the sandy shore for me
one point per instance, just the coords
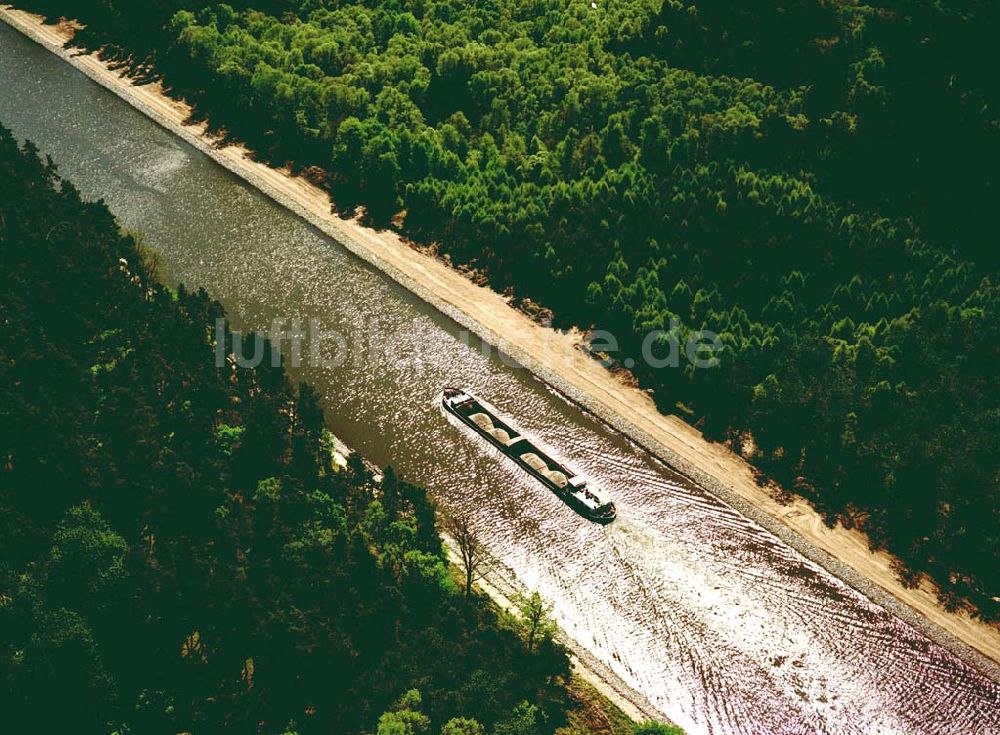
(557, 359)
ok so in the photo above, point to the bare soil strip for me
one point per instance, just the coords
(557, 359)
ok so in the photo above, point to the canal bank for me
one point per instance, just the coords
(682, 596)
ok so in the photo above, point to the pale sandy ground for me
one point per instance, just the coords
(557, 359)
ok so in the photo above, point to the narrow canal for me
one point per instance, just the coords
(719, 624)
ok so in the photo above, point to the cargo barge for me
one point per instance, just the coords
(565, 483)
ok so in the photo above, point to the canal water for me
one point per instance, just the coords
(720, 625)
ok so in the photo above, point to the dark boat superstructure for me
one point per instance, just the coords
(512, 442)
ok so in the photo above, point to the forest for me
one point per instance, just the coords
(180, 551)
(813, 180)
